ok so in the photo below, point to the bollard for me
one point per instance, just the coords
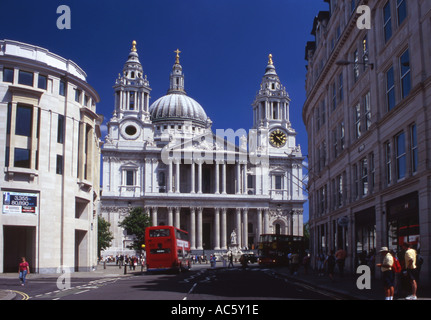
(125, 268)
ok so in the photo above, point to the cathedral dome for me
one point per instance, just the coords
(178, 107)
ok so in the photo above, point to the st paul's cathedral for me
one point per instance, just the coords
(164, 157)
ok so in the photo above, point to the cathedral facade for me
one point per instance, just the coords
(164, 157)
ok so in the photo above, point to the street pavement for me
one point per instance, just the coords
(342, 286)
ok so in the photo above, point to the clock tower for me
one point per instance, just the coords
(271, 114)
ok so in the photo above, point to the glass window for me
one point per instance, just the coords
(414, 148)
(342, 136)
(24, 120)
(357, 112)
(42, 82)
(388, 160)
(367, 111)
(62, 88)
(390, 89)
(401, 155)
(6, 157)
(340, 87)
(356, 66)
(25, 78)
(157, 233)
(78, 95)
(22, 158)
(401, 11)
(405, 74)
(8, 75)
(60, 129)
(130, 177)
(334, 96)
(364, 177)
(9, 112)
(59, 168)
(278, 182)
(387, 21)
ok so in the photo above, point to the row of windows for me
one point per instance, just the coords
(26, 118)
(24, 122)
(27, 78)
(400, 159)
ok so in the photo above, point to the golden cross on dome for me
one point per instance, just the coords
(134, 46)
(177, 61)
(270, 59)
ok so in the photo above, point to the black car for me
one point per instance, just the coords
(250, 257)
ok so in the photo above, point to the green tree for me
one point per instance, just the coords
(104, 236)
(135, 223)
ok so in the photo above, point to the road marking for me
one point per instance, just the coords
(24, 295)
(82, 291)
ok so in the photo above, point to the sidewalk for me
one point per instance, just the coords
(111, 271)
(346, 286)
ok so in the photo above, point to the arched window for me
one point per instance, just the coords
(277, 228)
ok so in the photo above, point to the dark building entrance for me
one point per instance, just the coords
(18, 242)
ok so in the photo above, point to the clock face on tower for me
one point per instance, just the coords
(277, 138)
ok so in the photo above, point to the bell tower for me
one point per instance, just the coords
(131, 122)
(271, 114)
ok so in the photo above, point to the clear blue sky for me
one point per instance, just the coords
(224, 43)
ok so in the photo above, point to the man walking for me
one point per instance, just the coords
(410, 269)
(387, 273)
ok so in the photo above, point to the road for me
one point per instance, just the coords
(201, 283)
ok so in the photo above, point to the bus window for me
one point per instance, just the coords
(157, 233)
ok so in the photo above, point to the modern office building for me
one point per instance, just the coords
(221, 187)
(368, 122)
(50, 159)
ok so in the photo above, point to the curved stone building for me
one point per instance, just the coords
(50, 142)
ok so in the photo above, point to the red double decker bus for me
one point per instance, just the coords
(167, 248)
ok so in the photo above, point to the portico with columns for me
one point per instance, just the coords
(165, 158)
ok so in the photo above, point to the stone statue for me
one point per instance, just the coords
(233, 238)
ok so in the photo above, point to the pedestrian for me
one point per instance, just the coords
(294, 263)
(340, 257)
(230, 256)
(23, 270)
(387, 273)
(321, 264)
(330, 262)
(306, 262)
(410, 269)
(396, 267)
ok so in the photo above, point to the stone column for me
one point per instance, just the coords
(193, 228)
(169, 177)
(238, 178)
(177, 176)
(170, 216)
(217, 229)
(200, 177)
(266, 220)
(154, 216)
(224, 178)
(192, 177)
(238, 226)
(244, 179)
(199, 229)
(177, 217)
(217, 177)
(259, 223)
(223, 229)
(245, 227)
